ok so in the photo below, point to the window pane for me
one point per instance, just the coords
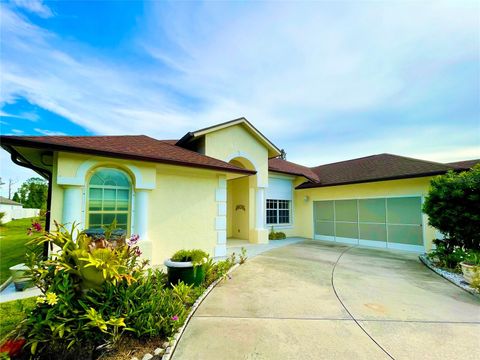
(271, 216)
(346, 210)
(95, 199)
(324, 228)
(284, 216)
(372, 210)
(108, 219)
(109, 199)
(406, 210)
(122, 199)
(110, 177)
(346, 230)
(323, 210)
(122, 221)
(94, 220)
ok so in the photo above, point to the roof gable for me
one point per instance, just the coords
(273, 150)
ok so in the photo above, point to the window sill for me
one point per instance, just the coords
(282, 226)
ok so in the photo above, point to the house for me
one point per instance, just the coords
(227, 181)
(14, 210)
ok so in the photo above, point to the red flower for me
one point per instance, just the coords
(12, 347)
(37, 226)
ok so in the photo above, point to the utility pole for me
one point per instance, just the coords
(10, 184)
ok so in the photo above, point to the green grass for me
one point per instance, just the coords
(12, 312)
(12, 245)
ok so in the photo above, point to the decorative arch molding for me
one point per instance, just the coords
(85, 167)
(243, 154)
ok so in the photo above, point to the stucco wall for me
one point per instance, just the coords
(181, 201)
(229, 143)
(182, 212)
(238, 219)
(303, 216)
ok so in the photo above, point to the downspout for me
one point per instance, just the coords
(19, 160)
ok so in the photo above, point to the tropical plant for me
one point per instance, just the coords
(195, 256)
(453, 207)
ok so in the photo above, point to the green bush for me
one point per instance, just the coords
(78, 320)
(453, 207)
(2, 215)
(276, 235)
(195, 256)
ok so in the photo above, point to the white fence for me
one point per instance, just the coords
(17, 212)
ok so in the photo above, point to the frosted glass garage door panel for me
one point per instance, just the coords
(406, 210)
(346, 230)
(324, 228)
(323, 210)
(375, 232)
(346, 210)
(372, 210)
(405, 234)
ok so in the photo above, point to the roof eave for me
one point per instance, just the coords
(400, 177)
(56, 147)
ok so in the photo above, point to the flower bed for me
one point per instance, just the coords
(451, 276)
(100, 300)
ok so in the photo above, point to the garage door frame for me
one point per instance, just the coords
(379, 244)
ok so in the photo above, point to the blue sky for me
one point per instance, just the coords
(327, 81)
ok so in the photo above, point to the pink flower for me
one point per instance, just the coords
(133, 240)
(175, 318)
(138, 252)
(37, 226)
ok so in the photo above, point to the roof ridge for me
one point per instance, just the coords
(425, 161)
(343, 161)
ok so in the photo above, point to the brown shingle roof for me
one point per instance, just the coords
(6, 201)
(135, 147)
(287, 167)
(466, 164)
(374, 168)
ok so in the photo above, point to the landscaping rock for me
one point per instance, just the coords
(159, 351)
(165, 345)
(147, 357)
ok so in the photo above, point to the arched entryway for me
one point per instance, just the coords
(241, 203)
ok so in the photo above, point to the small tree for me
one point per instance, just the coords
(453, 207)
(33, 194)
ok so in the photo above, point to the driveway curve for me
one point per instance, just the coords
(314, 300)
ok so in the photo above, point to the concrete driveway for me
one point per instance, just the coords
(313, 300)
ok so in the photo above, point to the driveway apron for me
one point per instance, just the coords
(315, 300)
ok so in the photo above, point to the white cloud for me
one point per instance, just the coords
(292, 69)
(49, 132)
(23, 115)
(37, 7)
(17, 131)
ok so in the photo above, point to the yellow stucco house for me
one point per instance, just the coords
(227, 181)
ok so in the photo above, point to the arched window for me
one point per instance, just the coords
(109, 194)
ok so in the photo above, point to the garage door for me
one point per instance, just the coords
(394, 222)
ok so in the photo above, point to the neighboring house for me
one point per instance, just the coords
(14, 210)
(227, 181)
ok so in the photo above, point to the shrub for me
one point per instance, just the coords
(276, 235)
(453, 207)
(195, 256)
(75, 319)
(2, 215)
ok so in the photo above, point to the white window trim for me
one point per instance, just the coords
(280, 225)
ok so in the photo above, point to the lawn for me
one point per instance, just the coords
(12, 245)
(12, 312)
